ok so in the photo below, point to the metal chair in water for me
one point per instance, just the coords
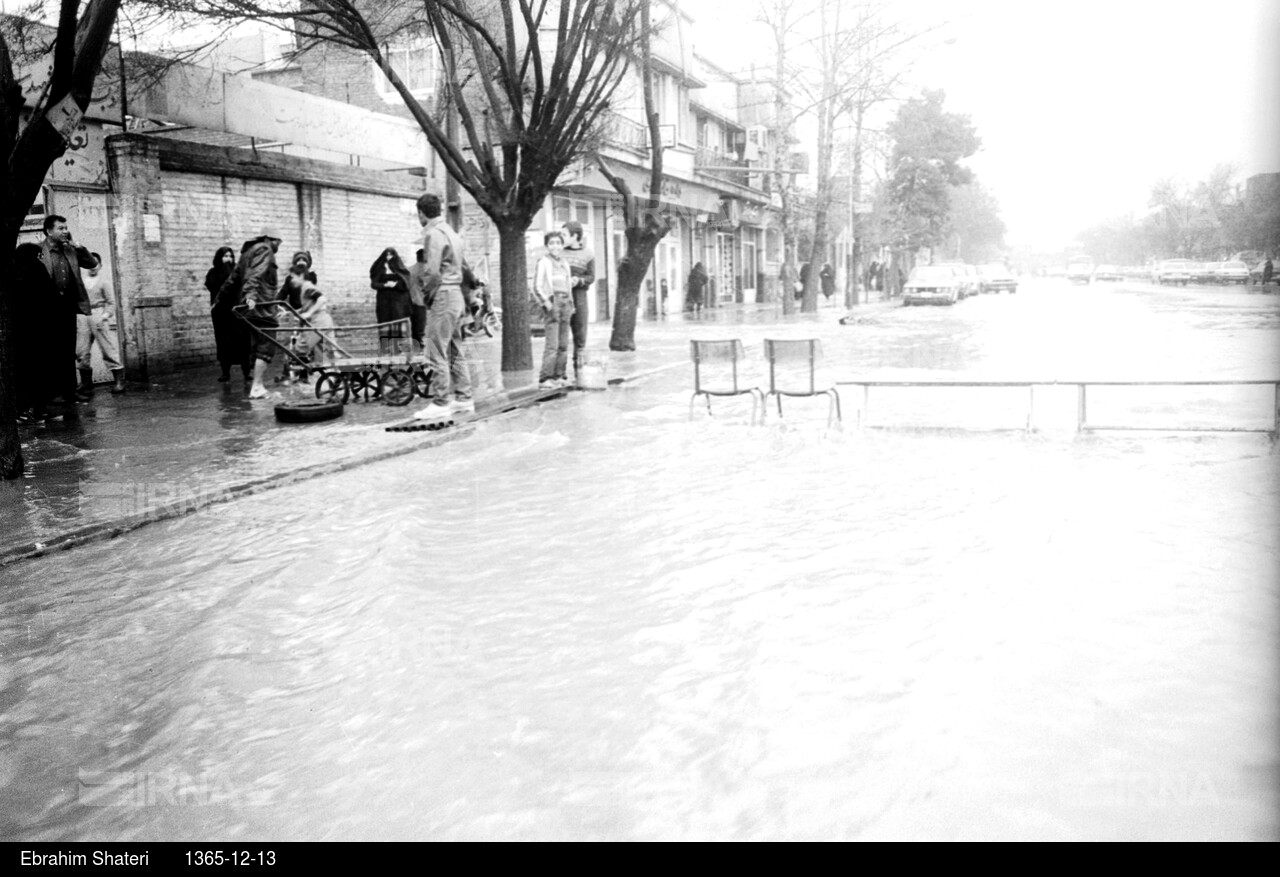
(793, 372)
(724, 378)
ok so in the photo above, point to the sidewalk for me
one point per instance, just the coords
(186, 442)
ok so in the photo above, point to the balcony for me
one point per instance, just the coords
(626, 134)
(721, 166)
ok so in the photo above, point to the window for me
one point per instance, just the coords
(414, 60)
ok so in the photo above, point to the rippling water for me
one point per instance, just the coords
(596, 619)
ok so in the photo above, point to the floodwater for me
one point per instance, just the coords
(597, 619)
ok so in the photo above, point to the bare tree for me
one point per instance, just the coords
(645, 223)
(529, 82)
(31, 139)
(861, 61)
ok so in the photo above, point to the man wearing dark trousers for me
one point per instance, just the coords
(53, 295)
(582, 267)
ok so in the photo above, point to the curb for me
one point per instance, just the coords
(109, 529)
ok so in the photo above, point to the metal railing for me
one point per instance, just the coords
(1082, 400)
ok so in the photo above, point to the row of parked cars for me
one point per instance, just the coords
(1184, 271)
(952, 282)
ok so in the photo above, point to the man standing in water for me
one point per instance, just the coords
(256, 284)
(442, 291)
(582, 268)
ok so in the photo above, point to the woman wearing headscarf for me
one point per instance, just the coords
(299, 271)
(697, 287)
(230, 334)
(390, 278)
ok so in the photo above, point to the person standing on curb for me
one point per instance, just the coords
(46, 317)
(552, 286)
(582, 264)
(97, 328)
(442, 291)
(254, 283)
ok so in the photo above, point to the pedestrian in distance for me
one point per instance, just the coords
(696, 288)
(254, 284)
(45, 320)
(828, 278)
(230, 334)
(1266, 271)
(582, 265)
(389, 277)
(98, 328)
(804, 281)
(788, 280)
(450, 384)
(553, 289)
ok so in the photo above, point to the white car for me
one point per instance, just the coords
(1231, 272)
(1173, 271)
(932, 284)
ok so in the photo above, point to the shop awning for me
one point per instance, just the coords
(676, 193)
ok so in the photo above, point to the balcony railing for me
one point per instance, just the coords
(717, 164)
(626, 134)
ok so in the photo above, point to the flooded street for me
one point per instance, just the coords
(598, 619)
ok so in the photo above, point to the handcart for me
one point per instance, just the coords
(349, 363)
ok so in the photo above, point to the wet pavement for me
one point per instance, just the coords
(186, 442)
(600, 618)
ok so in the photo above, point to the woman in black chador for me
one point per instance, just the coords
(230, 333)
(390, 278)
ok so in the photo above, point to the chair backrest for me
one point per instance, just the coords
(793, 364)
(727, 353)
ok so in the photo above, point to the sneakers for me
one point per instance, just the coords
(258, 392)
(434, 412)
(463, 406)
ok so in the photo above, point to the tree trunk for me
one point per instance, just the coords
(641, 242)
(11, 462)
(517, 348)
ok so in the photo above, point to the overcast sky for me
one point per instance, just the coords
(1081, 106)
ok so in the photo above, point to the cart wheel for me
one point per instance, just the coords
(330, 387)
(397, 387)
(492, 323)
(422, 381)
(366, 385)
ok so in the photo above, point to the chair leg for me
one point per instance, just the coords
(835, 404)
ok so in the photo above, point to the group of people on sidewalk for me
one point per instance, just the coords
(64, 308)
(562, 281)
(245, 296)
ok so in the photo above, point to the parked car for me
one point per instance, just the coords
(1080, 270)
(1108, 272)
(931, 284)
(1173, 271)
(1231, 272)
(996, 278)
(1201, 272)
(967, 275)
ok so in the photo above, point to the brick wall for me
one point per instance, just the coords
(205, 197)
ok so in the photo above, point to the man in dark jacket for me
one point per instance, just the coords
(52, 295)
(582, 268)
(254, 283)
